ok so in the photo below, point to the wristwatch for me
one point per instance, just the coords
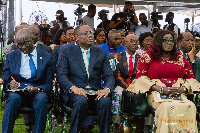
(108, 89)
(39, 89)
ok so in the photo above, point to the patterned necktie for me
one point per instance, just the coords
(131, 69)
(32, 67)
(86, 60)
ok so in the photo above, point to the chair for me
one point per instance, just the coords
(27, 109)
(67, 110)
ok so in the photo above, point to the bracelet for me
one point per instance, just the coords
(161, 90)
(185, 89)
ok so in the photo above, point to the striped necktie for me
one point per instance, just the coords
(86, 60)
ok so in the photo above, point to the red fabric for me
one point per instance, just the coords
(131, 69)
(167, 71)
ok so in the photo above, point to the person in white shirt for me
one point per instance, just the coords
(146, 26)
(89, 18)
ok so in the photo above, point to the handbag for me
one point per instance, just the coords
(134, 104)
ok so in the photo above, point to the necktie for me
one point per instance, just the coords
(131, 69)
(86, 61)
(32, 67)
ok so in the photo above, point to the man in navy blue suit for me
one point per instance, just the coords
(31, 68)
(80, 69)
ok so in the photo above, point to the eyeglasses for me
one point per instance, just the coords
(167, 41)
(25, 44)
(86, 33)
(133, 41)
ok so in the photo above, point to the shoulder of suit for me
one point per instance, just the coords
(43, 52)
(14, 52)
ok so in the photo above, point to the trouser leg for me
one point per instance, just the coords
(13, 102)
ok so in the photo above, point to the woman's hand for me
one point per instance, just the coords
(173, 91)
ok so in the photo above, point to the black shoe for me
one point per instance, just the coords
(116, 128)
(87, 129)
(30, 129)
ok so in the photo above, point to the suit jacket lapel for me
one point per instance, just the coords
(39, 62)
(79, 57)
(124, 62)
(18, 61)
(93, 54)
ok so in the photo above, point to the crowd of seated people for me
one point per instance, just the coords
(165, 65)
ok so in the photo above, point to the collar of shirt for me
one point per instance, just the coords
(33, 53)
(25, 68)
(127, 55)
(82, 50)
(133, 59)
(88, 54)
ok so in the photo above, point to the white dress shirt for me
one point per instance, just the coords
(25, 70)
(133, 59)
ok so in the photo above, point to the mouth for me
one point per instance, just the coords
(169, 47)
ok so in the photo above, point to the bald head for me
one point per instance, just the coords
(19, 27)
(185, 42)
(131, 43)
(24, 41)
(34, 29)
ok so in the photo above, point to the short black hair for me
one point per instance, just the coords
(57, 37)
(68, 28)
(91, 7)
(128, 2)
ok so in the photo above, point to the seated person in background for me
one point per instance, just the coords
(186, 45)
(145, 41)
(113, 45)
(118, 19)
(145, 26)
(13, 46)
(31, 68)
(80, 68)
(36, 39)
(122, 33)
(59, 40)
(197, 45)
(63, 37)
(167, 74)
(70, 35)
(127, 62)
(99, 36)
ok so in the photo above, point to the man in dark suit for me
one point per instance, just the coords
(28, 68)
(80, 69)
(125, 76)
(125, 73)
(186, 45)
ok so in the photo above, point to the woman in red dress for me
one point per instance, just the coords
(168, 75)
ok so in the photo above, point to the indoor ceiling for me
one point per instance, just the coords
(163, 6)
